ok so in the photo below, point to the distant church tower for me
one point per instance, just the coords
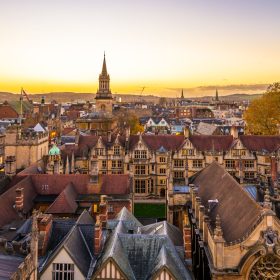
(104, 99)
(217, 96)
(182, 94)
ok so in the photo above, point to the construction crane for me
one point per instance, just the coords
(143, 88)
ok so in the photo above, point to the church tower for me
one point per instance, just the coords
(182, 94)
(104, 99)
(217, 96)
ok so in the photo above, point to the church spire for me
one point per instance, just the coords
(104, 67)
(182, 94)
(217, 95)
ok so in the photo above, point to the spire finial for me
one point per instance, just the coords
(104, 67)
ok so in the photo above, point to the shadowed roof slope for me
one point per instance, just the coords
(261, 142)
(65, 202)
(237, 210)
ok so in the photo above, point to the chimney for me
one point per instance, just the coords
(103, 211)
(19, 200)
(234, 132)
(186, 132)
(44, 228)
(97, 236)
(187, 237)
(10, 166)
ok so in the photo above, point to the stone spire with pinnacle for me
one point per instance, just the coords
(217, 95)
(104, 91)
(104, 67)
(182, 94)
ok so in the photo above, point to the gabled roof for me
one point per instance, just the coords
(78, 242)
(218, 143)
(65, 202)
(125, 215)
(143, 253)
(164, 228)
(261, 143)
(237, 210)
(165, 259)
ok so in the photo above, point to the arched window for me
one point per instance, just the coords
(267, 267)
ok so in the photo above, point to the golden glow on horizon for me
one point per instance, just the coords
(49, 47)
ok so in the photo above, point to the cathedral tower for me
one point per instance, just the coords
(104, 99)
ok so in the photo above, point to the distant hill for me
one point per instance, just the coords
(74, 96)
(234, 97)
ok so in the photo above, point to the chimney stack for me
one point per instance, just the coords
(234, 132)
(44, 228)
(97, 236)
(187, 237)
(19, 200)
(10, 166)
(103, 210)
(187, 132)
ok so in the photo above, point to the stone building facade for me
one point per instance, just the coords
(227, 234)
(33, 145)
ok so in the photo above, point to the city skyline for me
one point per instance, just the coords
(161, 45)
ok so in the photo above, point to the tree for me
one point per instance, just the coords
(263, 115)
(127, 118)
(134, 124)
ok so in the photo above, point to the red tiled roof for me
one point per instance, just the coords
(115, 184)
(65, 202)
(7, 200)
(261, 143)
(218, 143)
(168, 142)
(133, 140)
(54, 184)
(7, 112)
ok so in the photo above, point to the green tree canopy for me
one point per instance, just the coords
(263, 115)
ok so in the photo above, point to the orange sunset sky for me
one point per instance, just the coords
(58, 45)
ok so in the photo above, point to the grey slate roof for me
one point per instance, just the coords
(164, 228)
(142, 254)
(77, 238)
(237, 210)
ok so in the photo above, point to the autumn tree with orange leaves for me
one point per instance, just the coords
(263, 115)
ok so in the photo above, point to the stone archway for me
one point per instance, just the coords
(267, 267)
